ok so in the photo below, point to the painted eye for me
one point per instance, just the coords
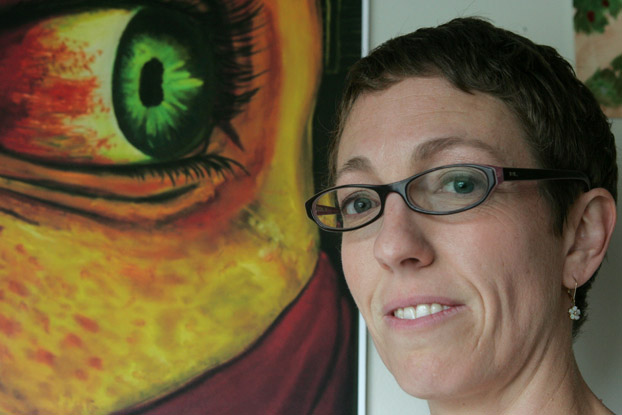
(163, 85)
(151, 89)
(127, 106)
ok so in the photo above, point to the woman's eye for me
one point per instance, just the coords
(112, 86)
(359, 203)
(462, 184)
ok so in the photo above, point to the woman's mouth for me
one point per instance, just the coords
(418, 311)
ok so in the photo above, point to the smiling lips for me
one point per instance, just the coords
(421, 310)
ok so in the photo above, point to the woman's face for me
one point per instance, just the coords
(142, 242)
(495, 270)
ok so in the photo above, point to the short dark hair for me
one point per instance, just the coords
(564, 125)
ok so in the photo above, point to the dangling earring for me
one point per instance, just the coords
(575, 313)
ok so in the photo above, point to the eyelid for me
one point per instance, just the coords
(453, 174)
(356, 192)
(104, 197)
(194, 168)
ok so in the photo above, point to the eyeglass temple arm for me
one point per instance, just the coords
(513, 174)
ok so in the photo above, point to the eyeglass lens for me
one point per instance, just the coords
(439, 191)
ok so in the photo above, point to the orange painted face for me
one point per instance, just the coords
(152, 174)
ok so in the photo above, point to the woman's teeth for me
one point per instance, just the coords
(422, 310)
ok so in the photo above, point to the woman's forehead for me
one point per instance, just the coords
(420, 115)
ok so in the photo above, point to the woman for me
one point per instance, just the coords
(471, 267)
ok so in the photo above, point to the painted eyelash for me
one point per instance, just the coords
(194, 168)
(191, 168)
(238, 74)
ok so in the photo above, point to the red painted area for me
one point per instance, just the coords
(96, 363)
(44, 356)
(86, 323)
(20, 248)
(5, 354)
(34, 262)
(216, 213)
(138, 274)
(43, 320)
(81, 374)
(71, 340)
(18, 288)
(9, 327)
(103, 143)
(41, 93)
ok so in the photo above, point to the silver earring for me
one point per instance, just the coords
(575, 313)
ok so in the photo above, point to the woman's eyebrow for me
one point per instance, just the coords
(437, 145)
(424, 151)
(355, 164)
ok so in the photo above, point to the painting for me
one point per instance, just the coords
(155, 256)
(598, 34)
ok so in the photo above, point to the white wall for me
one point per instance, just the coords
(599, 349)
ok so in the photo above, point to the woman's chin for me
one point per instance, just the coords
(433, 378)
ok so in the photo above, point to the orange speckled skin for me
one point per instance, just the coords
(107, 302)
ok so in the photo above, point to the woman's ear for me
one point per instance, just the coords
(587, 234)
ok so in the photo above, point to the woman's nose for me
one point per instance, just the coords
(400, 243)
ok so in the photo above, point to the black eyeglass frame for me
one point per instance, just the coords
(496, 175)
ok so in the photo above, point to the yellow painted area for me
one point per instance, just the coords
(98, 316)
(287, 184)
(168, 313)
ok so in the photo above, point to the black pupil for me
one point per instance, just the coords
(150, 88)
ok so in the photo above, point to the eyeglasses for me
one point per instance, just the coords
(443, 190)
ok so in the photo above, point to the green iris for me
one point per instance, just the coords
(463, 186)
(163, 84)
